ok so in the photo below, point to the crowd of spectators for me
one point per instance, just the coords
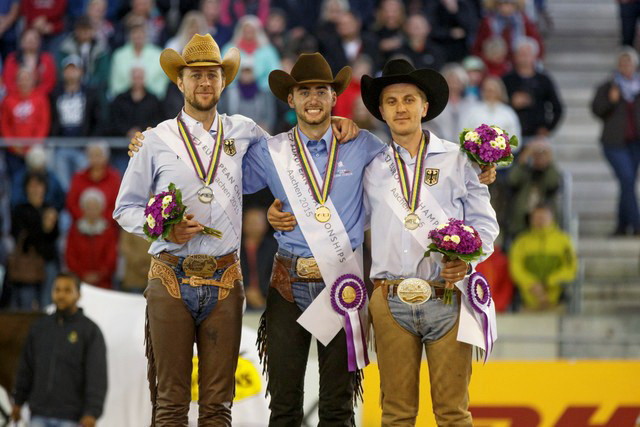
(88, 69)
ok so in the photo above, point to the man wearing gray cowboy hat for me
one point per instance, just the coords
(449, 186)
(321, 182)
(195, 291)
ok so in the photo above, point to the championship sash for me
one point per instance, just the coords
(225, 185)
(340, 303)
(477, 315)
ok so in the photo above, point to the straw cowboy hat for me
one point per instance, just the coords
(309, 68)
(201, 51)
(401, 71)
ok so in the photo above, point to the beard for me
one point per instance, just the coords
(200, 106)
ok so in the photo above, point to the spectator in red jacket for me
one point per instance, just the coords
(98, 175)
(30, 56)
(92, 243)
(506, 18)
(496, 270)
(48, 18)
(345, 103)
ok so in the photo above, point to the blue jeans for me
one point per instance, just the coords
(430, 321)
(37, 421)
(67, 161)
(25, 296)
(200, 300)
(625, 162)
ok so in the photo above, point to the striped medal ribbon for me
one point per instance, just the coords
(205, 194)
(323, 213)
(412, 195)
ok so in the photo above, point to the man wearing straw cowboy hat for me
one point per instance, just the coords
(195, 288)
(404, 97)
(316, 283)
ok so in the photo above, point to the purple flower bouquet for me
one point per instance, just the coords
(455, 240)
(163, 211)
(487, 145)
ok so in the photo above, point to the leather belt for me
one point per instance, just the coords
(389, 287)
(306, 269)
(221, 262)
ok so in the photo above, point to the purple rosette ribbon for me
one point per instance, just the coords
(479, 297)
(348, 296)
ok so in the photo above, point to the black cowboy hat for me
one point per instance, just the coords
(395, 71)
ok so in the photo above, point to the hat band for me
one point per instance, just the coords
(213, 61)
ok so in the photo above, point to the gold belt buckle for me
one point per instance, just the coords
(307, 268)
(199, 265)
(413, 291)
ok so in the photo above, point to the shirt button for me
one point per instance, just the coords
(317, 154)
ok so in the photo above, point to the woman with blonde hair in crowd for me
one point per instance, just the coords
(193, 22)
(252, 41)
(450, 122)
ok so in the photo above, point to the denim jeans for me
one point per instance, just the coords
(430, 321)
(25, 296)
(200, 300)
(67, 161)
(37, 421)
(625, 162)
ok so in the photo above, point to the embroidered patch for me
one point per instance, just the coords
(431, 176)
(230, 147)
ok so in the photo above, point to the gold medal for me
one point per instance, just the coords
(414, 291)
(205, 194)
(411, 221)
(323, 214)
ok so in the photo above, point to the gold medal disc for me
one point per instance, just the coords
(348, 294)
(411, 221)
(323, 214)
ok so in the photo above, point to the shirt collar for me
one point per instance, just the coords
(326, 138)
(435, 146)
(191, 122)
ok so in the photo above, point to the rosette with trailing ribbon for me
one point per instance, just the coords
(348, 296)
(479, 297)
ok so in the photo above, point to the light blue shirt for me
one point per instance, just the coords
(156, 165)
(346, 192)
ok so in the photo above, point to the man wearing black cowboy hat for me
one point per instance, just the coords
(316, 284)
(406, 308)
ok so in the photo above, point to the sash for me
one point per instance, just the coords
(477, 314)
(228, 192)
(431, 215)
(340, 303)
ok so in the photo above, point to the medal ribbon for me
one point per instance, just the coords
(320, 194)
(412, 195)
(206, 177)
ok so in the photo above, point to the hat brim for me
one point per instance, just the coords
(429, 81)
(281, 82)
(172, 62)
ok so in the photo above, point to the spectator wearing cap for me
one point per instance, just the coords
(249, 37)
(47, 18)
(91, 251)
(454, 23)
(246, 98)
(37, 162)
(31, 57)
(9, 14)
(93, 53)
(75, 112)
(138, 52)
(134, 110)
(506, 19)
(476, 70)
(418, 46)
(532, 93)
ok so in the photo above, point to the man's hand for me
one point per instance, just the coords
(344, 129)
(15, 413)
(87, 421)
(185, 230)
(540, 293)
(520, 100)
(135, 143)
(49, 219)
(614, 94)
(454, 271)
(488, 175)
(281, 221)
